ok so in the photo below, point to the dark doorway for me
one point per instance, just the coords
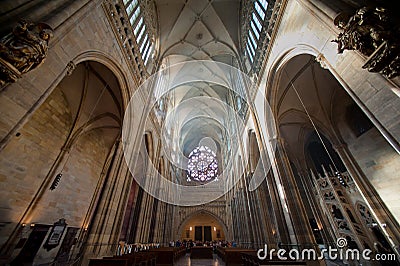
(207, 233)
(32, 245)
(198, 233)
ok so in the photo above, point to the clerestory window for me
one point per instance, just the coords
(256, 27)
(143, 37)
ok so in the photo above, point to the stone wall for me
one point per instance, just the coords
(305, 29)
(308, 29)
(215, 209)
(72, 197)
(35, 109)
(84, 35)
(381, 166)
(27, 159)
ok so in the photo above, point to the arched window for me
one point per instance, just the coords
(256, 27)
(202, 165)
(144, 39)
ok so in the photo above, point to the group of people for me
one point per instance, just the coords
(190, 243)
(124, 248)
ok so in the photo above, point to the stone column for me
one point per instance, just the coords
(296, 219)
(105, 226)
(267, 221)
(146, 215)
(257, 231)
(251, 236)
(159, 228)
(320, 215)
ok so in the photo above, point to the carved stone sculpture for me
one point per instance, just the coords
(374, 33)
(24, 49)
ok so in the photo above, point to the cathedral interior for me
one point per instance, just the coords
(199, 132)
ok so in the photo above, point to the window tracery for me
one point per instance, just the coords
(141, 31)
(202, 165)
(256, 22)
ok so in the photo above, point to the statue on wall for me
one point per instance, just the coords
(374, 33)
(22, 50)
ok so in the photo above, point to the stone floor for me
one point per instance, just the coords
(186, 261)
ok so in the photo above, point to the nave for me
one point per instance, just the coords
(134, 126)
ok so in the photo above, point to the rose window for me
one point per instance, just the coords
(202, 165)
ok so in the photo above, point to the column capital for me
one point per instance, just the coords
(320, 58)
(70, 68)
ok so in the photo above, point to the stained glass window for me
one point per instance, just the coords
(202, 165)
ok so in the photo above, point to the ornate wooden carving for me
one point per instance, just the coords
(22, 50)
(375, 33)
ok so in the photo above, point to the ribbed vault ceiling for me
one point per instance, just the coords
(308, 96)
(198, 30)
